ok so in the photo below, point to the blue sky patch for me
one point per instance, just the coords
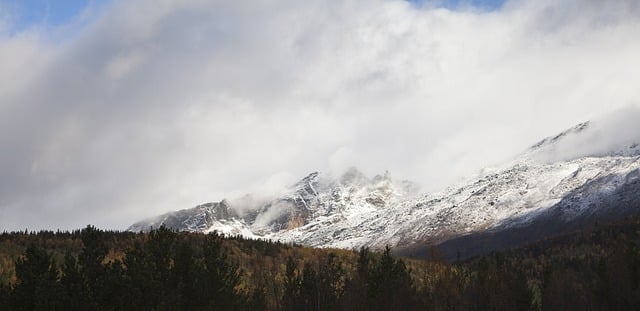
(485, 5)
(24, 14)
(50, 13)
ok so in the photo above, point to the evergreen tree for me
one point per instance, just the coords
(355, 296)
(292, 281)
(4, 296)
(330, 283)
(78, 295)
(37, 287)
(139, 279)
(115, 287)
(148, 270)
(220, 275)
(90, 262)
(389, 286)
(309, 298)
(186, 278)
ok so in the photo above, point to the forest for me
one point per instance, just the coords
(92, 269)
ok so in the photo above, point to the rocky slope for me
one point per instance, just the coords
(542, 188)
(312, 200)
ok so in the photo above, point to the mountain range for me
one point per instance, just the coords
(557, 185)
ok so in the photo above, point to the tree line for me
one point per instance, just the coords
(92, 269)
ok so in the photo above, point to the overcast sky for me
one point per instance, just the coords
(119, 111)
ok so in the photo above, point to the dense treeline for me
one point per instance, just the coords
(91, 269)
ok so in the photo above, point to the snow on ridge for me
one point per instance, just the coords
(353, 210)
(617, 134)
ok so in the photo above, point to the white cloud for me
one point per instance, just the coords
(161, 105)
(617, 133)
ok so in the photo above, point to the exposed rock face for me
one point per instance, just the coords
(199, 218)
(310, 199)
(538, 194)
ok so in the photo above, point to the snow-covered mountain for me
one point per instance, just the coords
(315, 199)
(557, 184)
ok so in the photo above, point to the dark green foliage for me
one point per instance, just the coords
(4, 297)
(309, 294)
(77, 293)
(37, 287)
(291, 298)
(148, 270)
(356, 294)
(186, 278)
(220, 275)
(381, 282)
(312, 289)
(389, 286)
(159, 273)
(329, 278)
(91, 269)
(168, 273)
(498, 285)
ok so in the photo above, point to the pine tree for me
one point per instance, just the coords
(390, 286)
(186, 278)
(221, 275)
(37, 286)
(292, 283)
(78, 295)
(355, 296)
(90, 262)
(4, 296)
(331, 278)
(148, 270)
(309, 298)
(139, 279)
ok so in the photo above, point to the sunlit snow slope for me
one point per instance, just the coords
(353, 210)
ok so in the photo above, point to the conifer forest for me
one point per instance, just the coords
(92, 269)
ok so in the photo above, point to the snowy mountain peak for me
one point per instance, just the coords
(608, 138)
(550, 141)
(313, 198)
(312, 178)
(587, 172)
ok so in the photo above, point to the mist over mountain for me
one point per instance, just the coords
(292, 155)
(586, 174)
(129, 109)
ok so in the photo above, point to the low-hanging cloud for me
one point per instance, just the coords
(160, 105)
(617, 133)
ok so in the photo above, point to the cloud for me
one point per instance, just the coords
(160, 105)
(617, 133)
(274, 212)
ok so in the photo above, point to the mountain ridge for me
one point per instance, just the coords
(353, 210)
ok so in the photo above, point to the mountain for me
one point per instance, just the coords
(314, 200)
(559, 184)
(531, 199)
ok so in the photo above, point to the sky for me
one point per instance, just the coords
(114, 111)
(29, 13)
